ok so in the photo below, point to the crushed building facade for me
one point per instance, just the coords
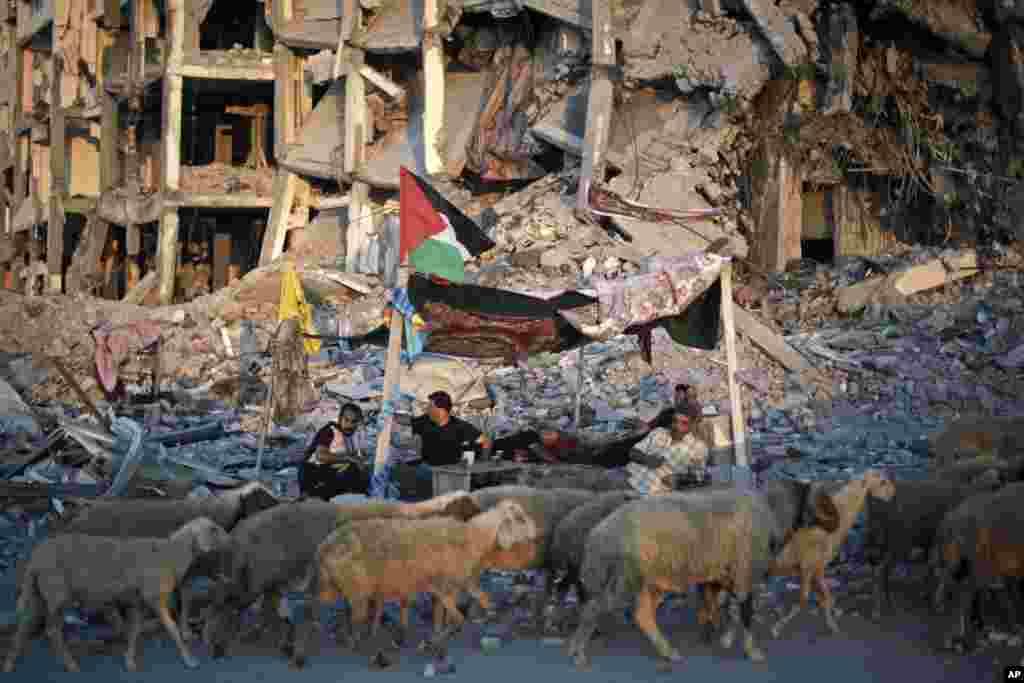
(160, 150)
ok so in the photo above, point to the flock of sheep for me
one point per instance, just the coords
(617, 548)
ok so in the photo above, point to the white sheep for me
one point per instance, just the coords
(159, 518)
(389, 559)
(665, 543)
(97, 571)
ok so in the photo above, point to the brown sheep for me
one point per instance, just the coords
(382, 559)
(270, 553)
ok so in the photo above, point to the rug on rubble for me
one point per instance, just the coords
(484, 322)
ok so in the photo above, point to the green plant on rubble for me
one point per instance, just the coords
(1015, 169)
(972, 41)
(681, 72)
(968, 89)
(801, 72)
(791, 135)
(759, 167)
(947, 152)
(875, 104)
(839, 72)
(952, 201)
(729, 103)
(904, 6)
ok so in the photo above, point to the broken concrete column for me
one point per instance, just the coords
(1008, 75)
(840, 45)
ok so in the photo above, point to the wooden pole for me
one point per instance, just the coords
(391, 373)
(433, 93)
(579, 387)
(739, 432)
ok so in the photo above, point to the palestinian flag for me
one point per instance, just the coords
(436, 237)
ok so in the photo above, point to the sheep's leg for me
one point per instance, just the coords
(644, 616)
(806, 580)
(827, 602)
(269, 607)
(541, 599)
(709, 614)
(31, 617)
(55, 631)
(881, 592)
(185, 598)
(964, 640)
(132, 635)
(743, 607)
(1012, 599)
(163, 609)
(401, 633)
(376, 615)
(113, 616)
(359, 621)
(456, 617)
(589, 616)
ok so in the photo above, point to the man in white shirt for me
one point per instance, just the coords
(668, 454)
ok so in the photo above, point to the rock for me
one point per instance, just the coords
(15, 416)
(556, 257)
(664, 40)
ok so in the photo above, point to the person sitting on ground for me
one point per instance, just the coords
(443, 437)
(335, 462)
(673, 455)
(682, 400)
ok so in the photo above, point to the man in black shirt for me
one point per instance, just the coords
(334, 463)
(443, 437)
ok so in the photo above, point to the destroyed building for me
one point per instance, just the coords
(165, 149)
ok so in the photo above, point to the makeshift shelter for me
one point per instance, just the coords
(683, 294)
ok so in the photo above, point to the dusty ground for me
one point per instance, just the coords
(901, 648)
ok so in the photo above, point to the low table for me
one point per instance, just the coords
(460, 477)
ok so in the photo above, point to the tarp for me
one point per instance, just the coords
(681, 295)
(429, 373)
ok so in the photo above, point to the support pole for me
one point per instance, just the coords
(391, 373)
(579, 387)
(739, 432)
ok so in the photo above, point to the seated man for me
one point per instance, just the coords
(666, 452)
(334, 462)
(553, 445)
(443, 437)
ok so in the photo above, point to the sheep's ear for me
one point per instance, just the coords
(826, 514)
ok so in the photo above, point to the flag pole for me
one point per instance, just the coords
(391, 371)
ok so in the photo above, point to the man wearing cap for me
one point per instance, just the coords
(443, 437)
